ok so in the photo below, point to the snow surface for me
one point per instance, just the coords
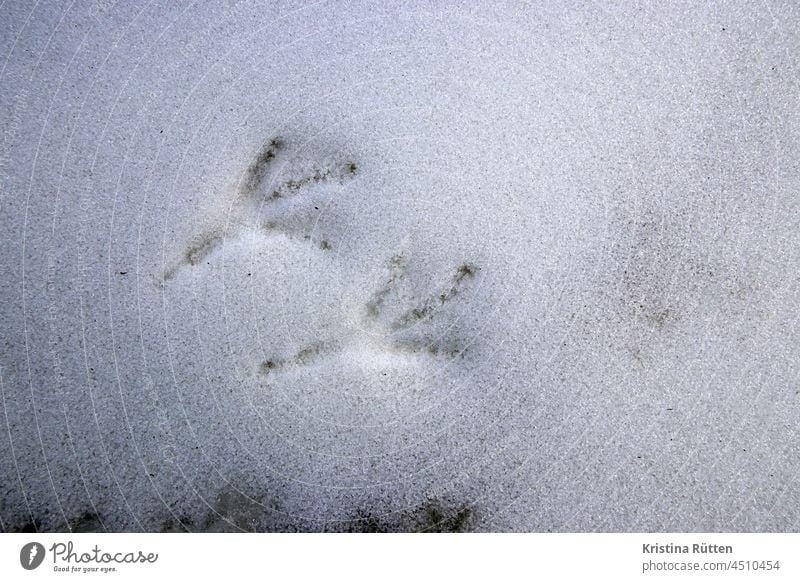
(343, 266)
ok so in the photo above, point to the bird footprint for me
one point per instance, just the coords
(261, 188)
(388, 325)
(391, 321)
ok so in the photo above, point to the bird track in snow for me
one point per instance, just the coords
(389, 324)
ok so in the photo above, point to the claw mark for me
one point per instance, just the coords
(428, 309)
(304, 357)
(438, 349)
(290, 187)
(465, 270)
(268, 366)
(318, 176)
(201, 249)
(397, 266)
(194, 255)
(256, 172)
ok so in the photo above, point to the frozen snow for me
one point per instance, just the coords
(338, 266)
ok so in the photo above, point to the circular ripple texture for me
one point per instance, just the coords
(325, 267)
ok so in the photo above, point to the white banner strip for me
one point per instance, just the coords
(352, 557)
